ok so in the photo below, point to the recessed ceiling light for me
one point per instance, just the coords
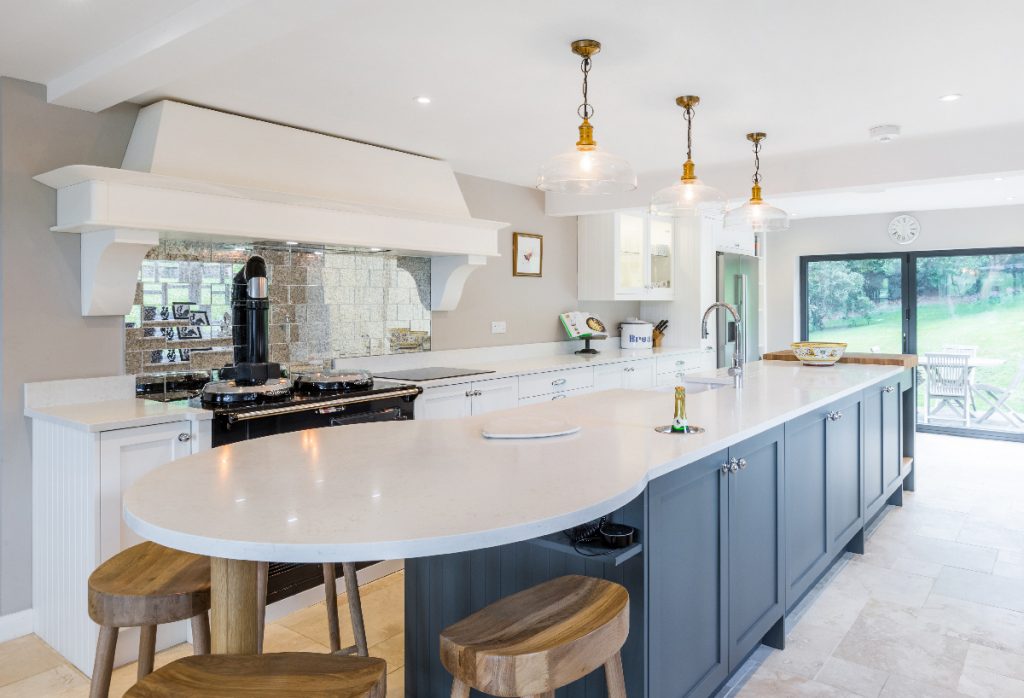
(291, 242)
(950, 97)
(1009, 198)
(422, 99)
(997, 179)
(884, 133)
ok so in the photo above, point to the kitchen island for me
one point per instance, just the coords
(722, 553)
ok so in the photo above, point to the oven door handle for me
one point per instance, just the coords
(392, 414)
(312, 407)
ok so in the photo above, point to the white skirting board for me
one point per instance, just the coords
(15, 625)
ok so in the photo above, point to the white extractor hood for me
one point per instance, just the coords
(200, 174)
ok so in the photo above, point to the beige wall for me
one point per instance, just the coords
(969, 228)
(530, 306)
(43, 335)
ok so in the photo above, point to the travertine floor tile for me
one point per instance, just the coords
(980, 683)
(901, 687)
(977, 623)
(987, 589)
(777, 683)
(883, 584)
(856, 678)
(1009, 664)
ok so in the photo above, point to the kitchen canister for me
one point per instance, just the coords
(636, 334)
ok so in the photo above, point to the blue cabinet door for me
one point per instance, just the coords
(685, 550)
(756, 584)
(892, 401)
(874, 482)
(843, 454)
(807, 543)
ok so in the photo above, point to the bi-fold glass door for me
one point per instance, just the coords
(961, 311)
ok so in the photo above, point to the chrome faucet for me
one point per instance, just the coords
(736, 370)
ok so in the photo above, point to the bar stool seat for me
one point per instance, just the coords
(144, 586)
(538, 640)
(282, 675)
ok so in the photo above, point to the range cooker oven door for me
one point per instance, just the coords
(288, 579)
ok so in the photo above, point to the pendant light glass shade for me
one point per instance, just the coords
(755, 215)
(689, 195)
(586, 170)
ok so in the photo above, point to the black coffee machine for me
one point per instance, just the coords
(250, 311)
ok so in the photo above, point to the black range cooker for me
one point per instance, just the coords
(253, 398)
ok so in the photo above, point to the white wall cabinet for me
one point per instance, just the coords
(626, 256)
(739, 242)
(467, 399)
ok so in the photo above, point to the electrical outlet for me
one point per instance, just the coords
(498, 327)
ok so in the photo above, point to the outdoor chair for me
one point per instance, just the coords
(949, 384)
(998, 397)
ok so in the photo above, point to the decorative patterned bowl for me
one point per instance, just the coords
(818, 353)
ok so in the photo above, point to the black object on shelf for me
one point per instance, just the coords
(587, 349)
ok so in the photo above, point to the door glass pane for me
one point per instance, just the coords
(857, 301)
(631, 251)
(661, 253)
(973, 306)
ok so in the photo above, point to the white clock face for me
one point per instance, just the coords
(904, 229)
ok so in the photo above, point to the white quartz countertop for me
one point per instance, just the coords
(116, 414)
(417, 488)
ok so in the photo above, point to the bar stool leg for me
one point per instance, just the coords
(201, 633)
(104, 665)
(355, 607)
(459, 689)
(262, 574)
(331, 597)
(147, 650)
(614, 677)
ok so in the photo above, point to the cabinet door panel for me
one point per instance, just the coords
(445, 402)
(497, 394)
(755, 543)
(843, 449)
(806, 503)
(640, 374)
(609, 377)
(891, 455)
(125, 456)
(686, 555)
(874, 485)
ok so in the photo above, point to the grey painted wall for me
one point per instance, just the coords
(43, 335)
(529, 305)
(971, 228)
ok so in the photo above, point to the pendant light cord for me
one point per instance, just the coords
(757, 162)
(585, 110)
(688, 112)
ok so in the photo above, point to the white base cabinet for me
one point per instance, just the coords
(78, 478)
(467, 399)
(635, 375)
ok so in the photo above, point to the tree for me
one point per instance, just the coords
(835, 291)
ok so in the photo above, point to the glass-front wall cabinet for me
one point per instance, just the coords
(626, 255)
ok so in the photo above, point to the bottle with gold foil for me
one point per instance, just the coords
(679, 422)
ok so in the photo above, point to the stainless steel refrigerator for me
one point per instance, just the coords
(738, 286)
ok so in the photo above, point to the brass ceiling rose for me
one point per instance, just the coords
(586, 47)
(688, 101)
(756, 137)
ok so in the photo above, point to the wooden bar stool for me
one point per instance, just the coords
(355, 607)
(282, 675)
(541, 639)
(144, 586)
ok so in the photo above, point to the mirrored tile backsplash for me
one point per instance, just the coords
(324, 304)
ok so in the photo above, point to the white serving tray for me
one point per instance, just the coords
(527, 428)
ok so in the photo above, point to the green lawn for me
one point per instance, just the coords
(997, 330)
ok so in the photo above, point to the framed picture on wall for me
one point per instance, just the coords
(527, 254)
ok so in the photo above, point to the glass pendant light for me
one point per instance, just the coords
(689, 194)
(586, 170)
(756, 215)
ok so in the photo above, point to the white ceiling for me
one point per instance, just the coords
(814, 75)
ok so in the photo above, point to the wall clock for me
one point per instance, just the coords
(904, 229)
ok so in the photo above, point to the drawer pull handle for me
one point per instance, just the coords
(184, 437)
(558, 381)
(559, 396)
(834, 416)
(742, 462)
(725, 468)
(681, 362)
(888, 388)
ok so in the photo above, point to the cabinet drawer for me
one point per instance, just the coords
(537, 384)
(675, 363)
(535, 399)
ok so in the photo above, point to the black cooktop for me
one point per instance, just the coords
(432, 373)
(380, 388)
